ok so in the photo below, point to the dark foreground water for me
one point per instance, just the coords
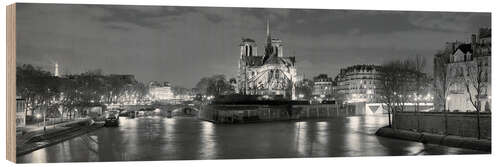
(157, 138)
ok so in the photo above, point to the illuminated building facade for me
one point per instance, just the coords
(269, 74)
(323, 87)
(160, 91)
(358, 83)
(468, 63)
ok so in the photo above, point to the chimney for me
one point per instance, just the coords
(473, 39)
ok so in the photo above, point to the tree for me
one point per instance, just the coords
(179, 90)
(421, 82)
(69, 95)
(74, 92)
(214, 86)
(421, 79)
(140, 90)
(476, 82)
(202, 85)
(397, 79)
(443, 80)
(36, 86)
(305, 87)
(388, 87)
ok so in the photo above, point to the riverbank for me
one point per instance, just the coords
(236, 113)
(38, 139)
(446, 140)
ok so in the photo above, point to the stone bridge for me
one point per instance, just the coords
(165, 109)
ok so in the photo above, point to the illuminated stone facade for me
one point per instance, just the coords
(358, 83)
(467, 63)
(160, 91)
(269, 74)
(323, 88)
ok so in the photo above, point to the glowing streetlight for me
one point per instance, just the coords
(38, 116)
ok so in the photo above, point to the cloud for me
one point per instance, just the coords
(446, 21)
(183, 44)
(158, 17)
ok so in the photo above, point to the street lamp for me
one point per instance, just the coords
(44, 115)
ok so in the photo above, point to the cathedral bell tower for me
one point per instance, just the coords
(248, 47)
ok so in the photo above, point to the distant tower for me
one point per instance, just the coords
(56, 69)
(269, 48)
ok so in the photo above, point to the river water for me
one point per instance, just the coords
(185, 138)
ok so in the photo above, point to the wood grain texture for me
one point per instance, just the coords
(11, 83)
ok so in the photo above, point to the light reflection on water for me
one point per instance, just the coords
(322, 137)
(170, 127)
(352, 139)
(131, 139)
(301, 138)
(321, 133)
(158, 138)
(39, 156)
(208, 148)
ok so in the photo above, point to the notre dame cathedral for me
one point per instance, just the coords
(267, 74)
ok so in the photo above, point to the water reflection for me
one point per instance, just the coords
(322, 132)
(158, 138)
(322, 138)
(352, 137)
(302, 141)
(170, 128)
(353, 123)
(39, 156)
(129, 139)
(208, 145)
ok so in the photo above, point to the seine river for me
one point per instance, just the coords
(185, 138)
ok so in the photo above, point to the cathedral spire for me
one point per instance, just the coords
(268, 33)
(267, 27)
(269, 47)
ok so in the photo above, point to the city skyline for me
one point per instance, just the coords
(184, 44)
(101, 83)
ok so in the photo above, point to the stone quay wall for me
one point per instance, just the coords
(263, 113)
(459, 124)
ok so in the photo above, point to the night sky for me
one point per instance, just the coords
(183, 44)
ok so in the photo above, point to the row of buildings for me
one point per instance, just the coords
(274, 74)
(164, 92)
(357, 83)
(467, 68)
